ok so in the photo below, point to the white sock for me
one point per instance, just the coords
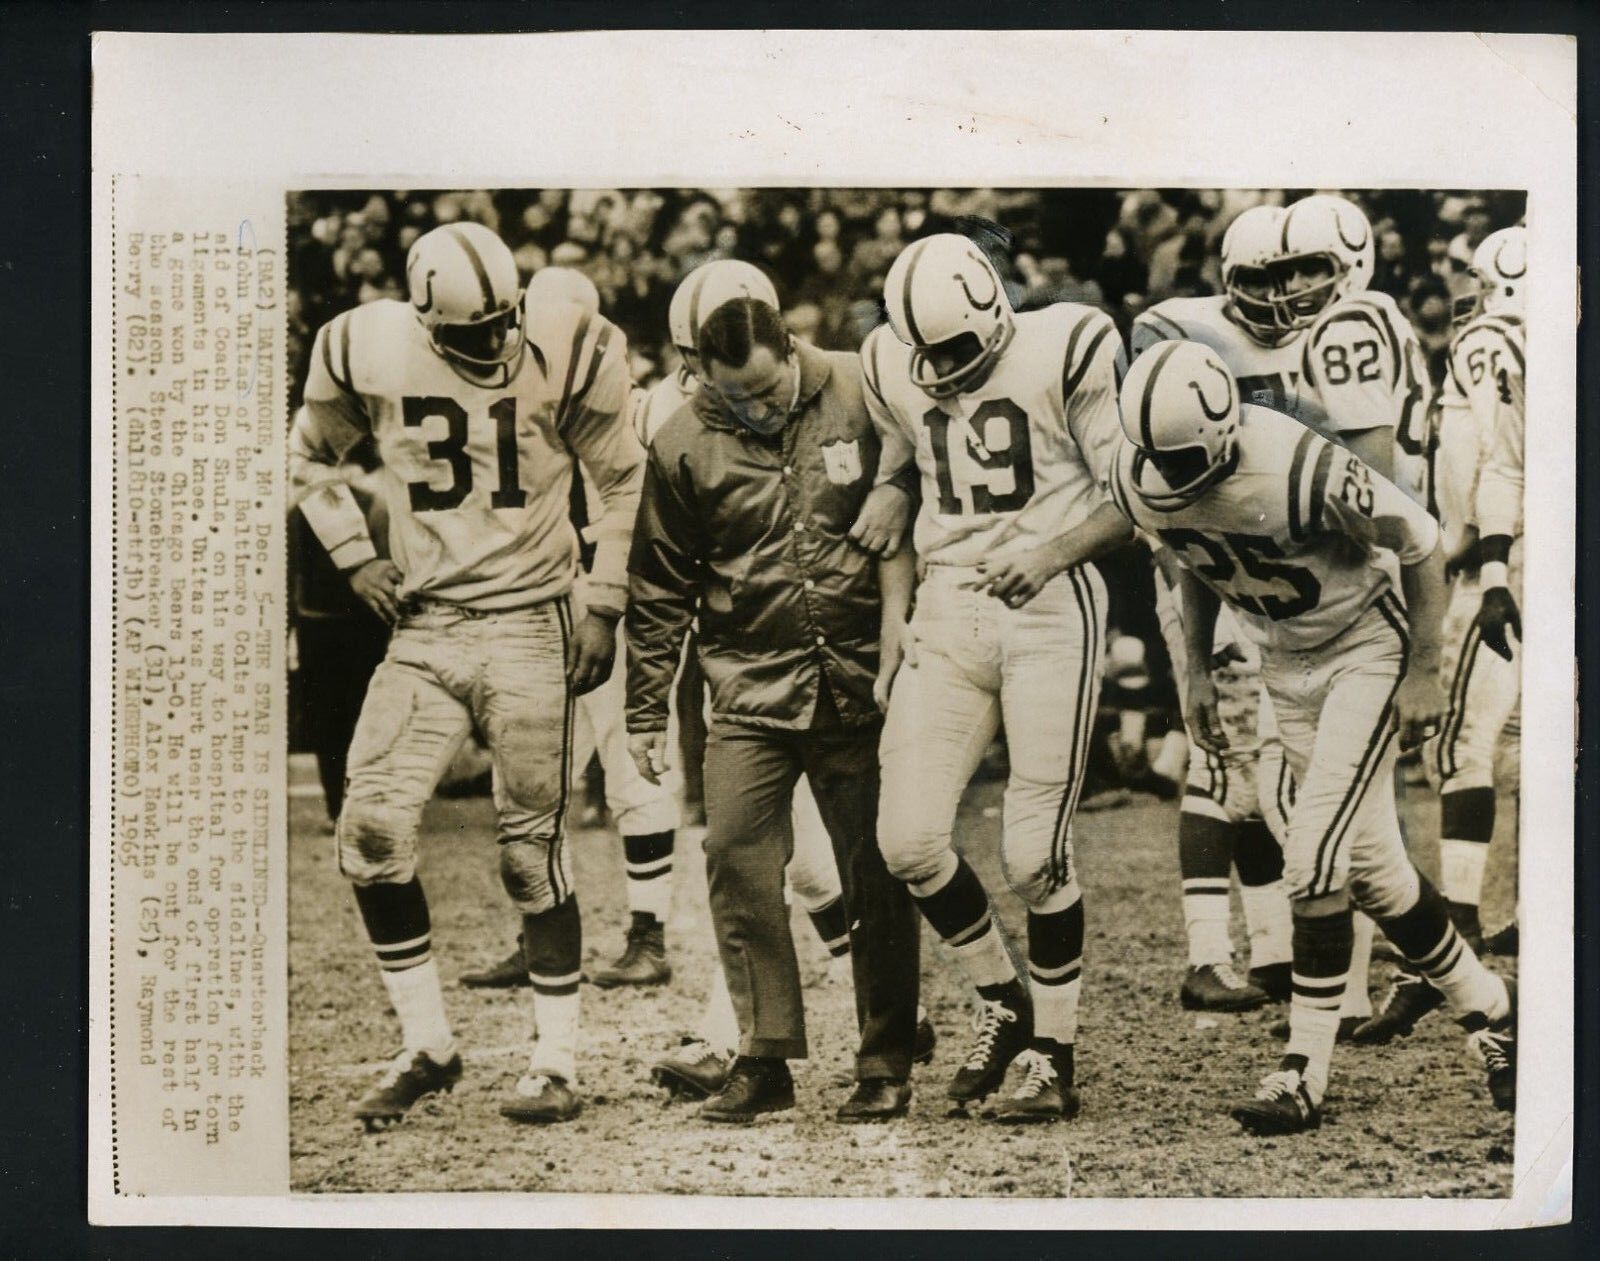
(1313, 1026)
(555, 1046)
(1357, 999)
(1461, 866)
(980, 950)
(1172, 758)
(1205, 919)
(652, 897)
(1269, 922)
(419, 1002)
(1055, 1010)
(719, 1025)
(1466, 984)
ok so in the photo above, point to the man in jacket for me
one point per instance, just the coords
(748, 522)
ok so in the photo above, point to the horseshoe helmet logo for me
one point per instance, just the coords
(427, 283)
(1359, 244)
(1227, 396)
(1500, 266)
(994, 295)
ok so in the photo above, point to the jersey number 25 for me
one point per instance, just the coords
(1250, 569)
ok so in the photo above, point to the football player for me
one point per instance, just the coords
(1480, 427)
(1313, 550)
(1009, 421)
(478, 415)
(1230, 816)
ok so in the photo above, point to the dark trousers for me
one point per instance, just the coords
(750, 774)
(337, 658)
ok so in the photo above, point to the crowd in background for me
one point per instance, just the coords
(828, 252)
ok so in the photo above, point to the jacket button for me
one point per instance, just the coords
(809, 585)
(788, 470)
(799, 527)
(822, 641)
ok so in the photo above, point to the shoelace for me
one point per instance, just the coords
(535, 1085)
(1224, 972)
(697, 1052)
(987, 1028)
(1490, 1050)
(399, 1066)
(1037, 1073)
(1284, 1084)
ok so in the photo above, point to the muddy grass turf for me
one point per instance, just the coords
(1411, 1119)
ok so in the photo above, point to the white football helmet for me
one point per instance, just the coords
(706, 288)
(1180, 408)
(463, 284)
(1331, 228)
(551, 286)
(1500, 268)
(943, 290)
(1251, 246)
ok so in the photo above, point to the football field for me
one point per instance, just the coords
(1411, 1119)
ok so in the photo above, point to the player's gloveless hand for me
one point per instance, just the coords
(591, 653)
(1497, 614)
(649, 752)
(899, 648)
(378, 584)
(1016, 579)
(882, 521)
(1419, 706)
(1204, 719)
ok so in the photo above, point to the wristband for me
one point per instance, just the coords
(1493, 574)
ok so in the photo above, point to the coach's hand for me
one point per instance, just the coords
(649, 752)
(378, 584)
(882, 521)
(591, 653)
(1496, 615)
(1419, 705)
(1204, 719)
(899, 648)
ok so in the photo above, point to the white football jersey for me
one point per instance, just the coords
(476, 476)
(654, 406)
(1268, 376)
(1022, 458)
(1488, 364)
(1290, 537)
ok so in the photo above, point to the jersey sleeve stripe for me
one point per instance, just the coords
(572, 366)
(1119, 492)
(1070, 387)
(873, 373)
(1296, 471)
(1177, 332)
(596, 358)
(1162, 356)
(1319, 484)
(1508, 335)
(478, 269)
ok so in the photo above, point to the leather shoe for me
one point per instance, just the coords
(875, 1099)
(754, 1086)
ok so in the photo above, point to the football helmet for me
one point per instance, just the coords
(1499, 268)
(946, 301)
(1327, 227)
(1180, 409)
(554, 285)
(706, 288)
(463, 284)
(1250, 248)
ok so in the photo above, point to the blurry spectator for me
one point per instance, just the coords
(1146, 221)
(1476, 225)
(878, 251)
(1429, 302)
(1183, 251)
(1119, 273)
(1392, 272)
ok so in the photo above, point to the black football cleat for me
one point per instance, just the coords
(1503, 942)
(1001, 1031)
(1043, 1095)
(1282, 1105)
(540, 1099)
(923, 1044)
(509, 974)
(875, 1099)
(1409, 999)
(696, 1070)
(643, 960)
(1217, 987)
(1495, 1047)
(754, 1087)
(412, 1075)
(1276, 979)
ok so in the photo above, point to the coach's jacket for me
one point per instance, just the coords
(750, 536)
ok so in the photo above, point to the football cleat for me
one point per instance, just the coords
(1409, 999)
(1503, 942)
(540, 1099)
(1001, 1032)
(1496, 1050)
(510, 973)
(1042, 1096)
(1277, 979)
(1281, 1105)
(696, 1070)
(924, 1042)
(754, 1087)
(409, 1077)
(643, 960)
(1217, 987)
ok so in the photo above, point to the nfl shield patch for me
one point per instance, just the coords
(842, 460)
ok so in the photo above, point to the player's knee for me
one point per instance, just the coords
(525, 873)
(912, 854)
(531, 784)
(377, 844)
(1387, 893)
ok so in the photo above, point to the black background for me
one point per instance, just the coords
(44, 593)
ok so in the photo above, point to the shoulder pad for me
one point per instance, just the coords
(570, 344)
(357, 346)
(1090, 329)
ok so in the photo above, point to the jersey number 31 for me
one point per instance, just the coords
(452, 449)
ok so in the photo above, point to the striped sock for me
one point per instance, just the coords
(1430, 941)
(958, 909)
(1205, 854)
(396, 918)
(648, 860)
(833, 927)
(552, 945)
(1322, 947)
(1055, 971)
